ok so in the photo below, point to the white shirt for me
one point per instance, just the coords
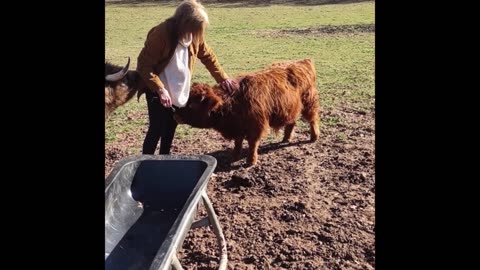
(176, 75)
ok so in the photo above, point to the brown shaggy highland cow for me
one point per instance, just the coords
(271, 98)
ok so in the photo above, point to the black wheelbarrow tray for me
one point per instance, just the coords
(151, 202)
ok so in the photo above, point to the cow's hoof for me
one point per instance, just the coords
(314, 138)
(251, 163)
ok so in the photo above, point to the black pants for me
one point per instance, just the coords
(161, 126)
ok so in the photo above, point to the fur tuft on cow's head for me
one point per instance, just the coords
(201, 104)
(206, 93)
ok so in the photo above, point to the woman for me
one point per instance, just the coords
(166, 63)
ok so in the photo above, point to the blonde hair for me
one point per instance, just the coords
(191, 17)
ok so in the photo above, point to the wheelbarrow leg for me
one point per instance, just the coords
(217, 230)
(210, 219)
(204, 222)
(176, 263)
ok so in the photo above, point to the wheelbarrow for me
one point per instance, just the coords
(151, 202)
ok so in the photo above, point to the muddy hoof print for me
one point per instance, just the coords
(297, 206)
(238, 182)
(287, 217)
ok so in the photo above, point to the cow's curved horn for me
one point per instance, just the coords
(119, 75)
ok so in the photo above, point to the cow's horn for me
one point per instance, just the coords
(119, 75)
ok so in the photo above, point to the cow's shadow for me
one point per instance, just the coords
(224, 157)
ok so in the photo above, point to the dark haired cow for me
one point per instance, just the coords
(271, 98)
(121, 85)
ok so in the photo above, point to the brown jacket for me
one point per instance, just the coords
(159, 48)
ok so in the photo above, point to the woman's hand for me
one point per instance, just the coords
(165, 99)
(229, 85)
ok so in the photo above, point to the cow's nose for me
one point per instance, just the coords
(178, 119)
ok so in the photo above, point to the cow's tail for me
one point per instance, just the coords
(311, 66)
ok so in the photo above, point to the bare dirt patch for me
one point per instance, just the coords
(328, 30)
(304, 206)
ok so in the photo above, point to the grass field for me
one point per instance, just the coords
(249, 37)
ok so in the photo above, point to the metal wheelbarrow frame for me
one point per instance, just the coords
(126, 209)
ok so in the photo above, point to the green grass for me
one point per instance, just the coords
(341, 137)
(344, 63)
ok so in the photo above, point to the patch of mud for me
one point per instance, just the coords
(304, 206)
(114, 151)
(112, 155)
(328, 30)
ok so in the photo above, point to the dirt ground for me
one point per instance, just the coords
(346, 30)
(304, 206)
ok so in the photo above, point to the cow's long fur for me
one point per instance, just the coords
(271, 98)
(120, 92)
